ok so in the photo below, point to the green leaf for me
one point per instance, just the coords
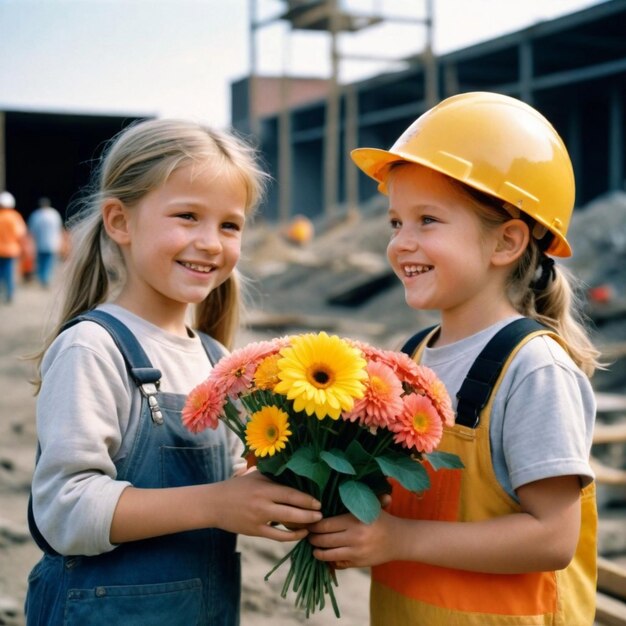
(408, 472)
(338, 461)
(273, 465)
(360, 500)
(231, 411)
(357, 455)
(446, 460)
(377, 482)
(305, 463)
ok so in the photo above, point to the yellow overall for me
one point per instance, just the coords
(410, 593)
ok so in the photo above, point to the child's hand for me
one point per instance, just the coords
(252, 503)
(348, 542)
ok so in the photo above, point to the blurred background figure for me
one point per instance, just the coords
(12, 233)
(46, 228)
(300, 230)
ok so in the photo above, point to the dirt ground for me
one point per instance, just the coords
(21, 325)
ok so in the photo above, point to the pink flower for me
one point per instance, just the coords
(369, 352)
(203, 407)
(402, 364)
(382, 400)
(419, 426)
(430, 384)
(235, 372)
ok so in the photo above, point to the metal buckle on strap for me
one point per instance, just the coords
(149, 390)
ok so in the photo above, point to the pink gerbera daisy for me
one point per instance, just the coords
(369, 352)
(235, 372)
(382, 400)
(419, 426)
(203, 407)
(402, 364)
(431, 385)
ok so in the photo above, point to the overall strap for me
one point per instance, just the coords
(412, 343)
(137, 361)
(482, 376)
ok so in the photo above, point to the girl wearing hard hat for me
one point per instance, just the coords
(481, 192)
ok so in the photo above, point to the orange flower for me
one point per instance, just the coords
(203, 407)
(432, 386)
(268, 431)
(419, 425)
(382, 400)
(266, 375)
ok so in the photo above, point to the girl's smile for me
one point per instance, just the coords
(197, 267)
(416, 270)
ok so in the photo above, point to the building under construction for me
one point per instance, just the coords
(572, 69)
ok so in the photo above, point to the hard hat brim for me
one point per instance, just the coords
(375, 161)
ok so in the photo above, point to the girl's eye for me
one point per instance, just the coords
(186, 216)
(231, 226)
(426, 219)
(395, 224)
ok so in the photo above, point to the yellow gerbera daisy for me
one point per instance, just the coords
(267, 431)
(322, 374)
(266, 375)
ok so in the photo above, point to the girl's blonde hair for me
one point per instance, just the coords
(550, 299)
(136, 161)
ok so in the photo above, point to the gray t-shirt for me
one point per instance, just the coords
(87, 413)
(543, 413)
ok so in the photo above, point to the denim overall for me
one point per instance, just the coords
(185, 579)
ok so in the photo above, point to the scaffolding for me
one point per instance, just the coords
(333, 18)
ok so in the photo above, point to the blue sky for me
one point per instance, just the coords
(178, 57)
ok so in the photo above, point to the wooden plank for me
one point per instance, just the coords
(609, 611)
(609, 433)
(611, 578)
(607, 475)
(610, 402)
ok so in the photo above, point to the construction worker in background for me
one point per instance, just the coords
(12, 233)
(46, 227)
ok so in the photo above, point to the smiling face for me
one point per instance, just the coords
(439, 248)
(180, 241)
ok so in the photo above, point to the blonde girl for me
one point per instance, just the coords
(481, 192)
(136, 516)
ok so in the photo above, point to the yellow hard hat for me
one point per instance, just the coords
(493, 143)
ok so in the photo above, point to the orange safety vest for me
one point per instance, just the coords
(407, 593)
(12, 230)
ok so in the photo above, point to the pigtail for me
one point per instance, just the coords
(544, 290)
(218, 314)
(85, 282)
(559, 306)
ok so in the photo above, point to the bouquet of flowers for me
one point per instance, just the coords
(333, 417)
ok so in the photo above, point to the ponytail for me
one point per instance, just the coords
(85, 282)
(544, 291)
(218, 314)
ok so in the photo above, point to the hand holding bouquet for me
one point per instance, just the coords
(331, 417)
